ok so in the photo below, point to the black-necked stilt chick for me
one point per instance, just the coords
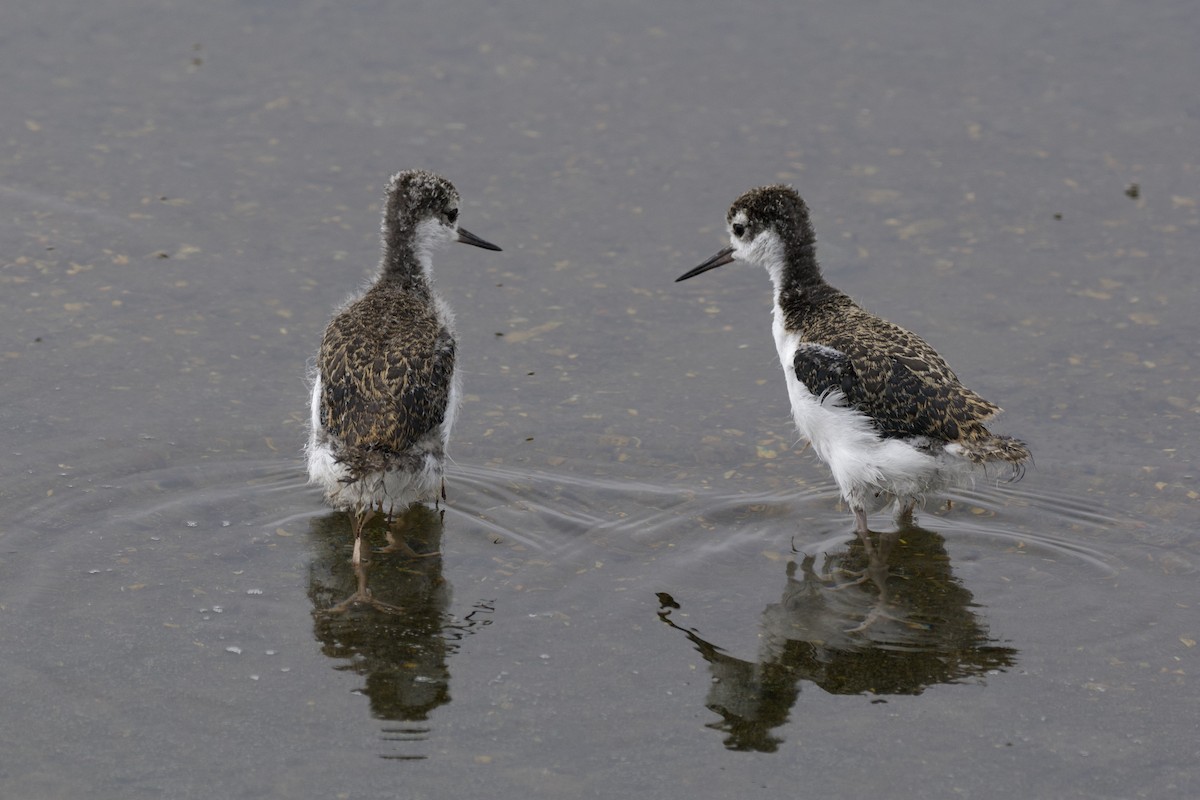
(385, 391)
(877, 403)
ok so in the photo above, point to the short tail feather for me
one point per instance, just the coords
(996, 447)
(375, 460)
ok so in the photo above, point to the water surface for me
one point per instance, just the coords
(644, 585)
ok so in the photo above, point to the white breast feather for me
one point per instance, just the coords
(863, 463)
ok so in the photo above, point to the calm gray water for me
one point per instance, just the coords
(638, 591)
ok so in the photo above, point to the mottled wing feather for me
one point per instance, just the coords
(385, 389)
(823, 370)
(892, 376)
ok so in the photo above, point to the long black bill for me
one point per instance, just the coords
(467, 237)
(719, 260)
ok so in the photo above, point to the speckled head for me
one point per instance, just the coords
(415, 195)
(420, 212)
(778, 208)
(768, 225)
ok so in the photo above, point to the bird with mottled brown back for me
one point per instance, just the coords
(385, 391)
(878, 404)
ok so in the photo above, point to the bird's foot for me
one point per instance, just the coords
(362, 595)
(877, 613)
(877, 555)
(402, 547)
(413, 519)
(810, 574)
(361, 599)
(857, 578)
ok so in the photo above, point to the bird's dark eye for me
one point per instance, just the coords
(738, 230)
(452, 215)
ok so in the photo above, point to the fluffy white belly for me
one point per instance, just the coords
(863, 463)
(394, 489)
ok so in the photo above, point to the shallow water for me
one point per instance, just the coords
(641, 582)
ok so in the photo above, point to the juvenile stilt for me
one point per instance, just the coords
(385, 391)
(878, 405)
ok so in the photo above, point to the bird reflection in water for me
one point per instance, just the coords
(906, 623)
(400, 641)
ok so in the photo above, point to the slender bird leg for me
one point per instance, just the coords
(397, 545)
(904, 514)
(886, 542)
(876, 570)
(877, 555)
(362, 592)
(362, 595)
(877, 573)
(860, 522)
(359, 520)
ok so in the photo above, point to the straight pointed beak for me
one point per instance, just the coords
(467, 237)
(719, 260)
